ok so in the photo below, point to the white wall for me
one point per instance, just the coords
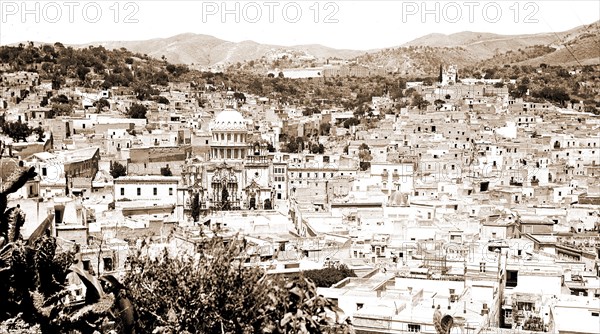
(163, 194)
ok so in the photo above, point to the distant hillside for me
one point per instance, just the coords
(417, 60)
(422, 56)
(208, 50)
(483, 45)
(578, 47)
(581, 43)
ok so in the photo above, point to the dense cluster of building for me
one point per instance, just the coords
(484, 207)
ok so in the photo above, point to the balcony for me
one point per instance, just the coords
(257, 160)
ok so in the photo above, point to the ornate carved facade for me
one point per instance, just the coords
(238, 175)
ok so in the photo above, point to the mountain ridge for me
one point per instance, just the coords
(573, 46)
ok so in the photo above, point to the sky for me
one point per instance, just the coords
(359, 25)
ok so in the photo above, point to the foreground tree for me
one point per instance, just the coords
(31, 271)
(216, 293)
(210, 292)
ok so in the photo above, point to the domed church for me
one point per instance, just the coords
(238, 173)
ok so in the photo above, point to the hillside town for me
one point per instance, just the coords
(452, 199)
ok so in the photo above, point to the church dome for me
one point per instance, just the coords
(229, 120)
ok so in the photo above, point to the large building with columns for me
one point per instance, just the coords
(238, 174)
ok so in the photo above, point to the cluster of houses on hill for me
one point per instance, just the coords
(485, 207)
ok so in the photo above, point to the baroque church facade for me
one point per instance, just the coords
(237, 175)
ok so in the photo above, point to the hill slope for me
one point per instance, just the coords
(207, 50)
(423, 56)
(579, 44)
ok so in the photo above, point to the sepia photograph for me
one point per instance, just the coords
(302, 166)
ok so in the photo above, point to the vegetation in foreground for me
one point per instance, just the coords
(212, 292)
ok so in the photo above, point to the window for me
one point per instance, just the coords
(512, 277)
(108, 264)
(170, 191)
(414, 328)
(139, 191)
(481, 267)
(86, 264)
(122, 191)
(44, 171)
(155, 191)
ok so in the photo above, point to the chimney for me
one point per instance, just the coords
(484, 309)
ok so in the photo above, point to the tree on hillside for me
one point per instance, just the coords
(137, 111)
(351, 122)
(17, 130)
(162, 100)
(438, 104)
(82, 72)
(143, 91)
(240, 97)
(326, 277)
(317, 148)
(101, 104)
(39, 132)
(60, 109)
(309, 111)
(117, 170)
(195, 205)
(419, 102)
(324, 129)
(166, 171)
(364, 156)
(294, 145)
(62, 99)
(552, 94)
